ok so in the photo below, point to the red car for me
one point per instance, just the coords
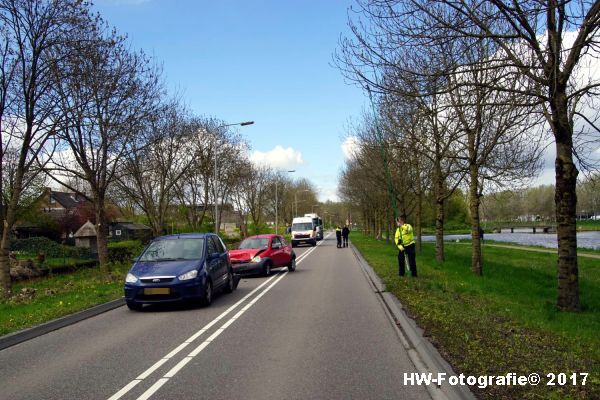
(261, 253)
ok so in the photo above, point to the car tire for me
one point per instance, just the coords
(134, 306)
(292, 265)
(230, 285)
(267, 269)
(208, 294)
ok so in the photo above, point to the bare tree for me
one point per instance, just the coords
(106, 94)
(152, 170)
(543, 43)
(33, 32)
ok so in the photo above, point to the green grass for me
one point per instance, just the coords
(60, 295)
(54, 261)
(502, 322)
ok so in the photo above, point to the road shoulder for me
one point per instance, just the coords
(423, 354)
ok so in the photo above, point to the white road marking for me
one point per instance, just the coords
(205, 344)
(183, 345)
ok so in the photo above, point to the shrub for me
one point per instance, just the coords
(49, 248)
(124, 251)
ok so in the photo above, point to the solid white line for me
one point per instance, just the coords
(160, 362)
(202, 346)
(126, 389)
(153, 389)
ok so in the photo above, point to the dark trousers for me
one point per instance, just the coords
(412, 260)
(345, 240)
(339, 240)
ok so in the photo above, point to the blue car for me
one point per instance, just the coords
(177, 268)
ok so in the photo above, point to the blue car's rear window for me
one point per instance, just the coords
(174, 249)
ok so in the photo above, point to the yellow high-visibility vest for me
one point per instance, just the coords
(404, 235)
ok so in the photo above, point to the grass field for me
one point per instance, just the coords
(502, 322)
(60, 295)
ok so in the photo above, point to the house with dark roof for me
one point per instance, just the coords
(52, 201)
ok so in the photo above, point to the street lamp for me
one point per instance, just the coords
(296, 199)
(216, 191)
(277, 203)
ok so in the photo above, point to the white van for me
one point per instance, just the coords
(318, 223)
(304, 230)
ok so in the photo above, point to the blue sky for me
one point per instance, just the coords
(262, 60)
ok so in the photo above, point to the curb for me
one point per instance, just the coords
(27, 334)
(422, 353)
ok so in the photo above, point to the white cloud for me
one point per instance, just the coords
(278, 158)
(350, 147)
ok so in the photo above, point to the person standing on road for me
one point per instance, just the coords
(338, 236)
(404, 239)
(345, 233)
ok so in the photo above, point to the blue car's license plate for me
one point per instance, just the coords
(157, 290)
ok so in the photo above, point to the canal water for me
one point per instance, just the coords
(585, 240)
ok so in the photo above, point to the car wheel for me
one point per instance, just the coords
(292, 265)
(267, 269)
(230, 284)
(134, 306)
(208, 293)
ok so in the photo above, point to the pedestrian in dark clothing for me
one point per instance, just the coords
(404, 239)
(345, 233)
(338, 236)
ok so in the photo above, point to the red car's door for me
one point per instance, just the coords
(277, 254)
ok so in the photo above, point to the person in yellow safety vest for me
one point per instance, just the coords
(338, 236)
(404, 239)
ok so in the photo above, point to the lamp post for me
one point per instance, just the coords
(296, 199)
(277, 203)
(216, 191)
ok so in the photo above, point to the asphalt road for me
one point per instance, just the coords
(317, 333)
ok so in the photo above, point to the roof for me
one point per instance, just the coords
(263, 236)
(185, 236)
(87, 230)
(133, 226)
(67, 200)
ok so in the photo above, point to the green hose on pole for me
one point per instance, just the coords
(386, 167)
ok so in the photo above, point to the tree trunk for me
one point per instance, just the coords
(439, 230)
(9, 221)
(476, 261)
(102, 235)
(418, 217)
(565, 199)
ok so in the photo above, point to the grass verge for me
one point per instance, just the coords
(502, 322)
(60, 295)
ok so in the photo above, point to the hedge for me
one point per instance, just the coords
(124, 251)
(49, 248)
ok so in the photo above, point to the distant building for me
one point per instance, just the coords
(86, 237)
(130, 231)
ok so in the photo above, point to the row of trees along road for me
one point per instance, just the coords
(80, 108)
(466, 94)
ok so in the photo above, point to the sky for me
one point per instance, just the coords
(269, 61)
